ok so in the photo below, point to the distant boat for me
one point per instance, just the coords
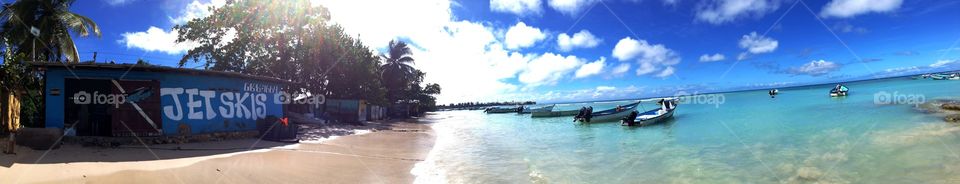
(773, 93)
(609, 115)
(953, 77)
(839, 91)
(497, 110)
(529, 110)
(654, 116)
(941, 76)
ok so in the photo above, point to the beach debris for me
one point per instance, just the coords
(953, 118)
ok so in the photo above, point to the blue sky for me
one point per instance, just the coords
(583, 50)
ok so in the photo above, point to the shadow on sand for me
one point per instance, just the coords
(71, 153)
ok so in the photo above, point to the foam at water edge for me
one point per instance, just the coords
(427, 170)
(321, 140)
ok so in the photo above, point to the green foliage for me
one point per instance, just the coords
(290, 40)
(55, 25)
(295, 41)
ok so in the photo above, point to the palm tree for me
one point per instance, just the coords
(51, 21)
(397, 72)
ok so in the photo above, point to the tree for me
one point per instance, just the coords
(290, 40)
(397, 72)
(52, 20)
(37, 30)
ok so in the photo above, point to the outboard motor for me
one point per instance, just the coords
(631, 119)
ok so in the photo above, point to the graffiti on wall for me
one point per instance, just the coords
(198, 104)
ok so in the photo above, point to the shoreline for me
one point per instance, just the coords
(375, 153)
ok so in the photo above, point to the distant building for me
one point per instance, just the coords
(125, 100)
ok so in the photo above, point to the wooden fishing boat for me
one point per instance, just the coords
(499, 110)
(651, 117)
(609, 115)
(529, 110)
(551, 113)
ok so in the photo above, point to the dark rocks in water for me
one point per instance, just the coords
(941, 106)
(951, 106)
(953, 118)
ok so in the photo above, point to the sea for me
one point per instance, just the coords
(876, 134)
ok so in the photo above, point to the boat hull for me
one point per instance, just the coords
(608, 117)
(500, 111)
(554, 114)
(655, 120)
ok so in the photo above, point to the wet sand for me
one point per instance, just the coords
(384, 155)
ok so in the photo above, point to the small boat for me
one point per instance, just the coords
(773, 93)
(499, 110)
(839, 91)
(940, 76)
(529, 110)
(953, 77)
(609, 115)
(654, 116)
(551, 113)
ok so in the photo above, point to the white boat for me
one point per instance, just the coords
(496, 110)
(528, 110)
(953, 77)
(609, 114)
(654, 116)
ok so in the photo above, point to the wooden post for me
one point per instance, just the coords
(9, 118)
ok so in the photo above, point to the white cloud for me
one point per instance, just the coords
(606, 88)
(521, 36)
(582, 39)
(815, 68)
(466, 58)
(851, 8)
(548, 69)
(516, 7)
(601, 91)
(196, 9)
(161, 40)
(156, 39)
(666, 72)
(429, 19)
(620, 69)
(651, 57)
(902, 69)
(942, 63)
(722, 11)
(571, 7)
(117, 2)
(712, 58)
(590, 69)
(757, 44)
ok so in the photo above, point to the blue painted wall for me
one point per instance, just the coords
(258, 99)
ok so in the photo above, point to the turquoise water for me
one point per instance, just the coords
(802, 136)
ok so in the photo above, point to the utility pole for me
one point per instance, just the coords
(94, 56)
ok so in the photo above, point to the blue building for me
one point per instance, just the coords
(125, 100)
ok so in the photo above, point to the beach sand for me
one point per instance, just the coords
(384, 155)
